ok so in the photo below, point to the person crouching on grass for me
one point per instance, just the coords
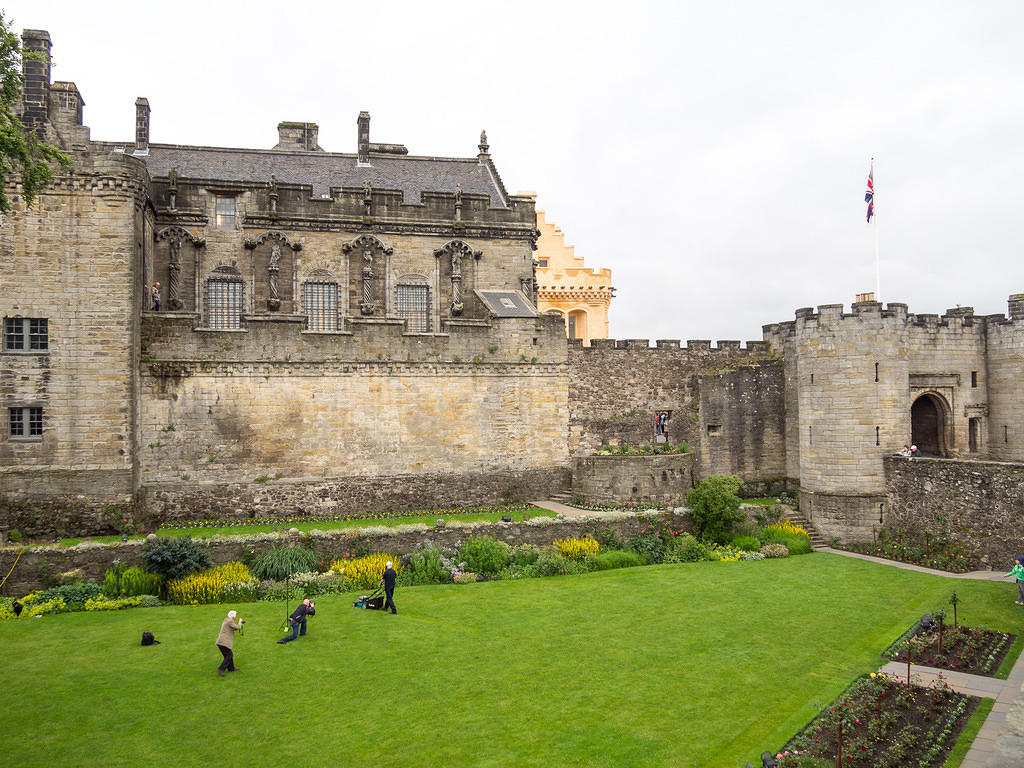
(226, 640)
(298, 619)
(1018, 571)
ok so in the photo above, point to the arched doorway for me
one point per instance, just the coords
(929, 425)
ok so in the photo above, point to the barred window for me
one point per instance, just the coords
(224, 303)
(320, 301)
(25, 422)
(26, 334)
(414, 305)
(225, 212)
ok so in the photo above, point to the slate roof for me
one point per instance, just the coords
(507, 303)
(323, 170)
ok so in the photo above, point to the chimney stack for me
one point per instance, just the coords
(36, 71)
(363, 138)
(142, 126)
(301, 137)
(1016, 306)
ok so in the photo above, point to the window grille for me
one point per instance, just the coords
(26, 334)
(414, 306)
(225, 211)
(224, 303)
(320, 301)
(25, 422)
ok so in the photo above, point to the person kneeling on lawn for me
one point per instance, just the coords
(298, 619)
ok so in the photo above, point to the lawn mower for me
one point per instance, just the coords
(373, 601)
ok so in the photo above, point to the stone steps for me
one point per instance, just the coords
(817, 540)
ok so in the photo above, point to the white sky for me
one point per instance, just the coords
(713, 154)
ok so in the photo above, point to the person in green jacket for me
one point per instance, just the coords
(1018, 571)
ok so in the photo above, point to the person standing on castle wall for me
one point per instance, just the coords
(156, 297)
(1018, 571)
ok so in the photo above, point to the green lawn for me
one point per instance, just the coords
(700, 664)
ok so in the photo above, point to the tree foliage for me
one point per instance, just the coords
(22, 154)
(715, 507)
(174, 557)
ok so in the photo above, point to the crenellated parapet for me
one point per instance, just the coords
(728, 347)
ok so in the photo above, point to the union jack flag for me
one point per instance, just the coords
(869, 196)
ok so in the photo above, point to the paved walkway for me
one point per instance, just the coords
(1000, 742)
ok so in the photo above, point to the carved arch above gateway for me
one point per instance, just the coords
(458, 248)
(272, 234)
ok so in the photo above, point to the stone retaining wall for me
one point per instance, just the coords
(618, 479)
(979, 503)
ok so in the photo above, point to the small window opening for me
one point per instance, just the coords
(877, 434)
(876, 372)
(974, 378)
(714, 429)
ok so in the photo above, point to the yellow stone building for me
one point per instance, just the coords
(565, 287)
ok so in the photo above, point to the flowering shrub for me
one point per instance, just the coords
(787, 528)
(466, 578)
(365, 572)
(102, 603)
(726, 554)
(576, 549)
(775, 550)
(752, 556)
(926, 549)
(207, 586)
(427, 565)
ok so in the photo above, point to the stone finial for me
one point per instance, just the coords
(484, 147)
(272, 193)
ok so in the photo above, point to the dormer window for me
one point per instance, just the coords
(224, 213)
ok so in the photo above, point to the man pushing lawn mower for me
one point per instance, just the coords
(388, 580)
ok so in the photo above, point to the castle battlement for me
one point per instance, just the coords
(692, 345)
(895, 315)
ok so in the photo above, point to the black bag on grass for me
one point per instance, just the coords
(148, 639)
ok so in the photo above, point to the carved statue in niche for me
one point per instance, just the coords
(273, 194)
(457, 305)
(368, 306)
(172, 189)
(367, 196)
(273, 270)
(174, 276)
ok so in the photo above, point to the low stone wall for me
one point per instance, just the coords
(847, 517)
(617, 479)
(40, 564)
(979, 503)
(197, 501)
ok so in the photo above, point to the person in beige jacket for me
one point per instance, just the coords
(225, 641)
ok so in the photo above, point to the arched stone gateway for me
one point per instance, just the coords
(929, 424)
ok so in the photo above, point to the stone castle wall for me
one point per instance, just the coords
(372, 417)
(622, 479)
(978, 503)
(74, 255)
(1005, 368)
(741, 428)
(617, 387)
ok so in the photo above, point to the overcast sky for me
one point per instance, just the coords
(713, 155)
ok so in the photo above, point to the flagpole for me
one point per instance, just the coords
(878, 278)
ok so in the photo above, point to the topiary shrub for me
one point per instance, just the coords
(485, 555)
(280, 562)
(174, 557)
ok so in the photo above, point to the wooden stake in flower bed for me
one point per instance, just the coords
(954, 600)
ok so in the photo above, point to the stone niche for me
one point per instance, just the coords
(619, 479)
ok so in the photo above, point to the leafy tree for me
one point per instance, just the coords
(715, 507)
(22, 154)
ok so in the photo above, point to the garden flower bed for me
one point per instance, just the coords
(881, 722)
(974, 650)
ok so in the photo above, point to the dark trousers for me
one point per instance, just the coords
(229, 659)
(390, 595)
